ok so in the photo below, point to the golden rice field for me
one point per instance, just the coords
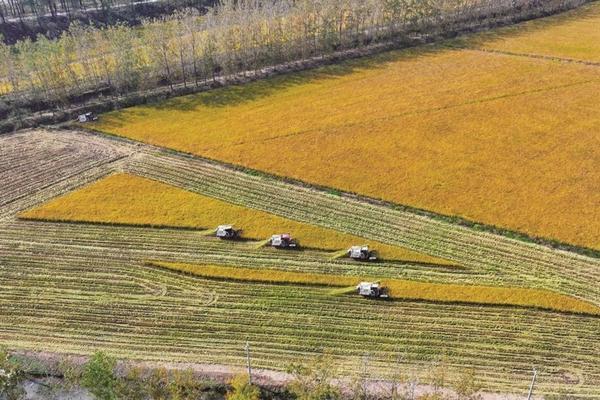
(573, 35)
(130, 199)
(506, 140)
(398, 288)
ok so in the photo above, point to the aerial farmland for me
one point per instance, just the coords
(426, 216)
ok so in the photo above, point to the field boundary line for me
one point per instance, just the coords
(530, 55)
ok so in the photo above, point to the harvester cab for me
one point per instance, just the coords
(283, 241)
(372, 290)
(228, 232)
(362, 253)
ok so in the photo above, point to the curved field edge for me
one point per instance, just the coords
(134, 200)
(398, 288)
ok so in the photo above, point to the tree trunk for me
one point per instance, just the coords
(182, 67)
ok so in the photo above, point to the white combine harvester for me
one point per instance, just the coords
(87, 117)
(362, 253)
(227, 232)
(283, 241)
(372, 290)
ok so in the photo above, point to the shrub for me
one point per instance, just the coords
(313, 381)
(184, 386)
(132, 385)
(11, 377)
(99, 376)
(242, 389)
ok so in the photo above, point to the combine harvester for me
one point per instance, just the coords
(279, 241)
(282, 241)
(358, 253)
(372, 290)
(369, 290)
(228, 232)
(362, 253)
(225, 232)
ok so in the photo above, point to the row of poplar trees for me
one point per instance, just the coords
(236, 35)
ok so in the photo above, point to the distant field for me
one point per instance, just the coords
(129, 199)
(573, 35)
(399, 288)
(506, 140)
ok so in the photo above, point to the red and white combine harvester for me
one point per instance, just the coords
(283, 241)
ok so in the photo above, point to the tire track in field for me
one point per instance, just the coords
(531, 55)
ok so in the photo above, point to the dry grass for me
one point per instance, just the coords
(399, 288)
(5, 87)
(573, 35)
(507, 141)
(129, 199)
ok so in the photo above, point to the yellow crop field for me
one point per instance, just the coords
(504, 140)
(573, 35)
(398, 288)
(129, 199)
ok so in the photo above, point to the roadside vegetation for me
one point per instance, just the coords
(103, 377)
(21, 19)
(232, 37)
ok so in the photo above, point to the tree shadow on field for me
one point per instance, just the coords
(243, 93)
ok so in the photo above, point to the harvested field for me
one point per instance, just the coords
(129, 199)
(80, 287)
(100, 295)
(33, 160)
(503, 140)
(399, 289)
